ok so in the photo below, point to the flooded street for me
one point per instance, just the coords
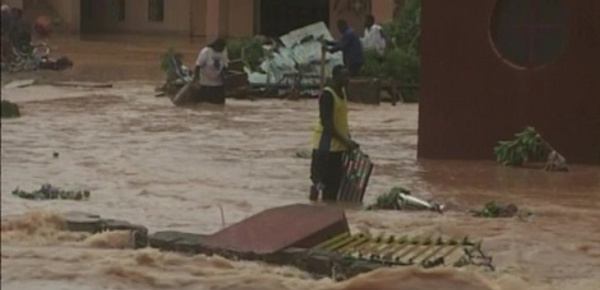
(173, 168)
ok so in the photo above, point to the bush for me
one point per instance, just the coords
(166, 64)
(249, 50)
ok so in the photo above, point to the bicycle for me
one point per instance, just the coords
(29, 57)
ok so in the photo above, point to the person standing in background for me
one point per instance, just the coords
(374, 38)
(210, 69)
(350, 45)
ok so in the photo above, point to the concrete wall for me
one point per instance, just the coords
(13, 3)
(241, 18)
(69, 13)
(176, 18)
(194, 17)
(471, 98)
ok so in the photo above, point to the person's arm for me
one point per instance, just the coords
(225, 59)
(342, 44)
(326, 107)
(201, 61)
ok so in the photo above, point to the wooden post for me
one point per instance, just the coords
(323, 76)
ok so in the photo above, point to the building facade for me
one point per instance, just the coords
(507, 64)
(206, 18)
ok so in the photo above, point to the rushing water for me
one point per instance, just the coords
(171, 168)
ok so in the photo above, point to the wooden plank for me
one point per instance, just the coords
(357, 172)
(83, 84)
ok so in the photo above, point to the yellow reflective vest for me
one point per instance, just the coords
(323, 141)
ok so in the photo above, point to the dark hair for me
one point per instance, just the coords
(342, 23)
(337, 71)
(370, 17)
(219, 42)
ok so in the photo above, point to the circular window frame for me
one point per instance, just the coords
(515, 65)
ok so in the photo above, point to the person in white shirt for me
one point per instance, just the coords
(211, 64)
(374, 38)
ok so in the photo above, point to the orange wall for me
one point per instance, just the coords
(381, 9)
(237, 18)
(13, 3)
(176, 18)
(69, 12)
(241, 18)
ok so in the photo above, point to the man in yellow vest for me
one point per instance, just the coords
(331, 138)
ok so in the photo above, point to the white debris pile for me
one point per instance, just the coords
(297, 62)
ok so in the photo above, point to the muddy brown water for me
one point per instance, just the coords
(172, 168)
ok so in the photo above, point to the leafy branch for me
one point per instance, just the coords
(389, 200)
(527, 146)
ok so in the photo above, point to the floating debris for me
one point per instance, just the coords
(304, 154)
(495, 210)
(47, 192)
(19, 84)
(10, 110)
(400, 198)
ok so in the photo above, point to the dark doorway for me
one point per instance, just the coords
(279, 17)
(87, 16)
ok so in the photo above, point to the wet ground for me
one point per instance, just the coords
(171, 168)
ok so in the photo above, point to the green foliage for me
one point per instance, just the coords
(389, 200)
(405, 31)
(528, 146)
(495, 210)
(249, 50)
(166, 64)
(57, 21)
(48, 191)
(491, 209)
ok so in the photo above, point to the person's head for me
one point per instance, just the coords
(340, 75)
(342, 25)
(369, 20)
(219, 44)
(5, 8)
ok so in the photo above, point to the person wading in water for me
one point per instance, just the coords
(210, 68)
(331, 138)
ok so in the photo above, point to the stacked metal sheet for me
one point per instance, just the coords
(299, 55)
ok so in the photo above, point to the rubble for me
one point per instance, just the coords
(314, 239)
(497, 210)
(400, 198)
(297, 62)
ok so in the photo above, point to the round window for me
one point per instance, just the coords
(529, 33)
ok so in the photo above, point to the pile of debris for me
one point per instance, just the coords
(296, 61)
(496, 210)
(314, 239)
(400, 198)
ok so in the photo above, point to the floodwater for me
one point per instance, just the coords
(172, 168)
